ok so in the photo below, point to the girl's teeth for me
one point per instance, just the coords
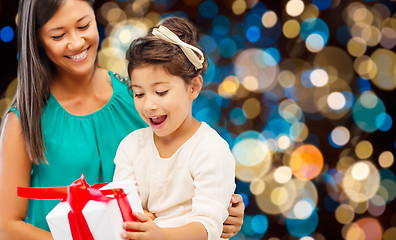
(80, 55)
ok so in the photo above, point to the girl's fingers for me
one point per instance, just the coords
(133, 235)
(141, 217)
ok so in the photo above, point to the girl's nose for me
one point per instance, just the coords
(150, 104)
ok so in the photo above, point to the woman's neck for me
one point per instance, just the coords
(82, 95)
(67, 84)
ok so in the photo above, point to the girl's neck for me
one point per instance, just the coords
(168, 145)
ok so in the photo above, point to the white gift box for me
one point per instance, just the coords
(103, 218)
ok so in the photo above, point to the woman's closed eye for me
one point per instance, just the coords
(84, 27)
(58, 37)
(162, 93)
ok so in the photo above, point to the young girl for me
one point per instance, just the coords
(183, 170)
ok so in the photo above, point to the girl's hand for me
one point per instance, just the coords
(145, 229)
(149, 214)
(233, 223)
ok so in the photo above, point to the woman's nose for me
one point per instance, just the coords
(76, 42)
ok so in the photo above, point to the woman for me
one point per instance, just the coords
(68, 118)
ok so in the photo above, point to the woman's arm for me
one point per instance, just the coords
(15, 169)
(233, 223)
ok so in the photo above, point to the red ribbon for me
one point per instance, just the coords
(77, 195)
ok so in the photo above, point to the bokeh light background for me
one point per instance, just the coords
(303, 91)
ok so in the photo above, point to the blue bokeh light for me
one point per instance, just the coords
(301, 228)
(208, 9)
(253, 34)
(238, 116)
(315, 26)
(208, 44)
(383, 122)
(227, 47)
(7, 34)
(259, 224)
(322, 4)
(343, 35)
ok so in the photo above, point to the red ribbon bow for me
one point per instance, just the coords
(77, 195)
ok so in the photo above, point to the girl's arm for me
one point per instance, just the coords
(15, 169)
(233, 223)
(146, 229)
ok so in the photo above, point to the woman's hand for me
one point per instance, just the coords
(146, 228)
(233, 223)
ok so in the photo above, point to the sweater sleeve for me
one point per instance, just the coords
(124, 169)
(213, 170)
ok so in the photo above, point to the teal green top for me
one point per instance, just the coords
(76, 145)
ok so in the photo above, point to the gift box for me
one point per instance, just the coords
(89, 212)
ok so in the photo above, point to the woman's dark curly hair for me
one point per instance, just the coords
(150, 50)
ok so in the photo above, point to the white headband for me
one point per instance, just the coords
(167, 35)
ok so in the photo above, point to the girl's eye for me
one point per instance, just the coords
(59, 37)
(84, 27)
(162, 93)
(139, 95)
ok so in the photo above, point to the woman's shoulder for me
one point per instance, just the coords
(120, 78)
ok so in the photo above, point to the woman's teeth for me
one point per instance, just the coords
(80, 55)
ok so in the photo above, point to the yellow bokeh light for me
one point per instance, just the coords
(228, 87)
(356, 46)
(269, 19)
(283, 142)
(4, 106)
(250, 83)
(365, 67)
(362, 15)
(319, 77)
(336, 100)
(364, 149)
(363, 185)
(239, 7)
(294, 7)
(386, 159)
(257, 186)
(250, 152)
(344, 214)
(360, 171)
(390, 234)
(371, 35)
(252, 108)
(279, 196)
(385, 63)
(310, 11)
(282, 174)
(11, 89)
(286, 78)
(291, 28)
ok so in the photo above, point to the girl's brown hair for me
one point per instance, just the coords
(153, 50)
